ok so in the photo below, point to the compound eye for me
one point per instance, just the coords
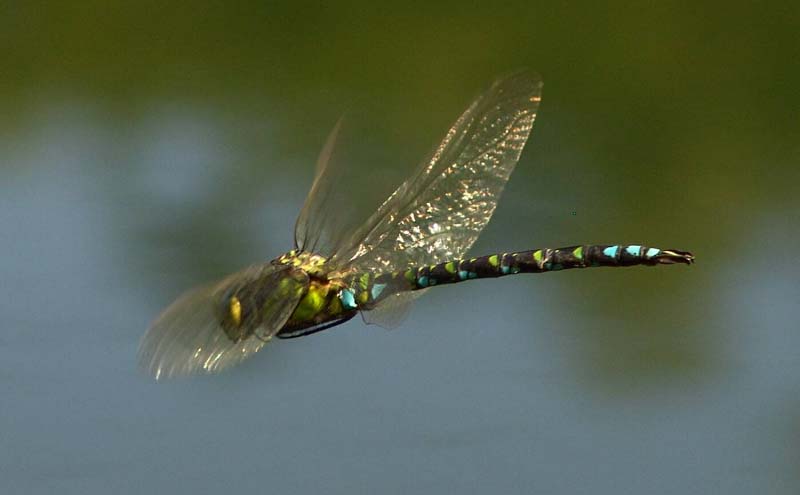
(235, 310)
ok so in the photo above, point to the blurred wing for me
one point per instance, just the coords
(187, 338)
(438, 213)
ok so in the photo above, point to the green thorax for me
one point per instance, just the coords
(322, 302)
(313, 264)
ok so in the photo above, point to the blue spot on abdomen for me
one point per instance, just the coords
(633, 250)
(611, 251)
(376, 290)
(348, 299)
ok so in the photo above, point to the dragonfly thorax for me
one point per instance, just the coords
(322, 301)
(313, 264)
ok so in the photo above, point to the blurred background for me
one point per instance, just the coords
(146, 147)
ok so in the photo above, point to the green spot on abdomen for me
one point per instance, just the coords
(578, 252)
(493, 260)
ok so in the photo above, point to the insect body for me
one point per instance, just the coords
(417, 239)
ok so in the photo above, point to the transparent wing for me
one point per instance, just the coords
(392, 311)
(316, 226)
(438, 213)
(189, 338)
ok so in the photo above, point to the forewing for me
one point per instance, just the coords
(188, 337)
(438, 213)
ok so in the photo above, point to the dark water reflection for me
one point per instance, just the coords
(668, 380)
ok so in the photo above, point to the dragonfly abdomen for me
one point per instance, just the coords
(537, 261)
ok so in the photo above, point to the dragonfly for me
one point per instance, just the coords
(417, 239)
